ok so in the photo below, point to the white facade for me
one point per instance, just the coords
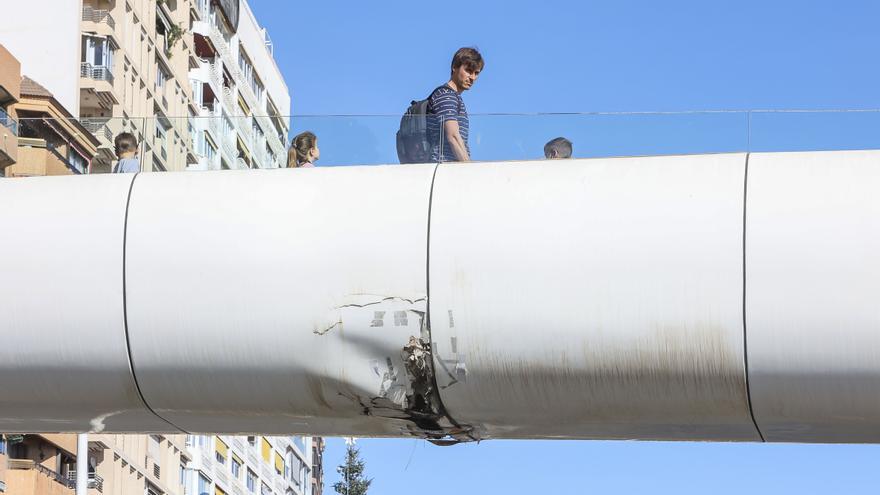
(47, 45)
(240, 465)
(242, 98)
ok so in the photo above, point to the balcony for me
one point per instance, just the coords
(29, 482)
(8, 122)
(8, 139)
(96, 72)
(229, 100)
(95, 482)
(99, 128)
(98, 21)
(98, 79)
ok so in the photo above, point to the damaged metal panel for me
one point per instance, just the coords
(283, 301)
(591, 298)
(63, 357)
(812, 295)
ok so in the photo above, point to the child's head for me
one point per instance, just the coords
(303, 149)
(558, 148)
(126, 145)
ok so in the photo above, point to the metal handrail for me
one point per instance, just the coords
(91, 14)
(98, 72)
(95, 481)
(98, 127)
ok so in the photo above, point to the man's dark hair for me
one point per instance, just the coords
(558, 148)
(125, 142)
(468, 57)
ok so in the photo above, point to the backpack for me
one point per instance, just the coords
(413, 145)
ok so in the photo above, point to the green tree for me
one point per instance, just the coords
(352, 473)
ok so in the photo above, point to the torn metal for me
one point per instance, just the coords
(405, 382)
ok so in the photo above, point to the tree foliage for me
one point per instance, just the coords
(352, 473)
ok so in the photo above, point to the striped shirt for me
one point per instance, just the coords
(445, 104)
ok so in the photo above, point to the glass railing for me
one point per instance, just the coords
(8, 122)
(221, 142)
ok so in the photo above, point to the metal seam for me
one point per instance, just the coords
(125, 310)
(440, 404)
(745, 332)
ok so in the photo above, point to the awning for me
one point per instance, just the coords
(267, 450)
(279, 463)
(222, 448)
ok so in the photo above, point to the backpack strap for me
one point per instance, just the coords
(428, 99)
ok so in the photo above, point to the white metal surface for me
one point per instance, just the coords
(253, 296)
(63, 357)
(82, 464)
(569, 299)
(813, 295)
(591, 298)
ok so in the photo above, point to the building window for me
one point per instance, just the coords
(236, 467)
(265, 490)
(161, 77)
(221, 451)
(2, 444)
(251, 481)
(97, 51)
(210, 149)
(288, 463)
(76, 161)
(204, 485)
(252, 441)
(244, 63)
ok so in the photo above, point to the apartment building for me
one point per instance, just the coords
(194, 80)
(50, 140)
(243, 101)
(3, 462)
(142, 464)
(10, 91)
(118, 464)
(117, 65)
(134, 69)
(317, 465)
(38, 465)
(38, 135)
(244, 465)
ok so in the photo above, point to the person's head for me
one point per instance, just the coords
(303, 149)
(558, 148)
(467, 63)
(126, 145)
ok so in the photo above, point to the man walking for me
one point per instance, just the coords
(447, 118)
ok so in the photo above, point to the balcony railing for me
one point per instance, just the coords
(27, 464)
(8, 122)
(99, 128)
(91, 14)
(95, 481)
(97, 72)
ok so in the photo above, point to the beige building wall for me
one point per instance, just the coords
(142, 464)
(39, 465)
(134, 77)
(10, 88)
(3, 459)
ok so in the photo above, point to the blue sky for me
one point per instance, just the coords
(355, 58)
(344, 57)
